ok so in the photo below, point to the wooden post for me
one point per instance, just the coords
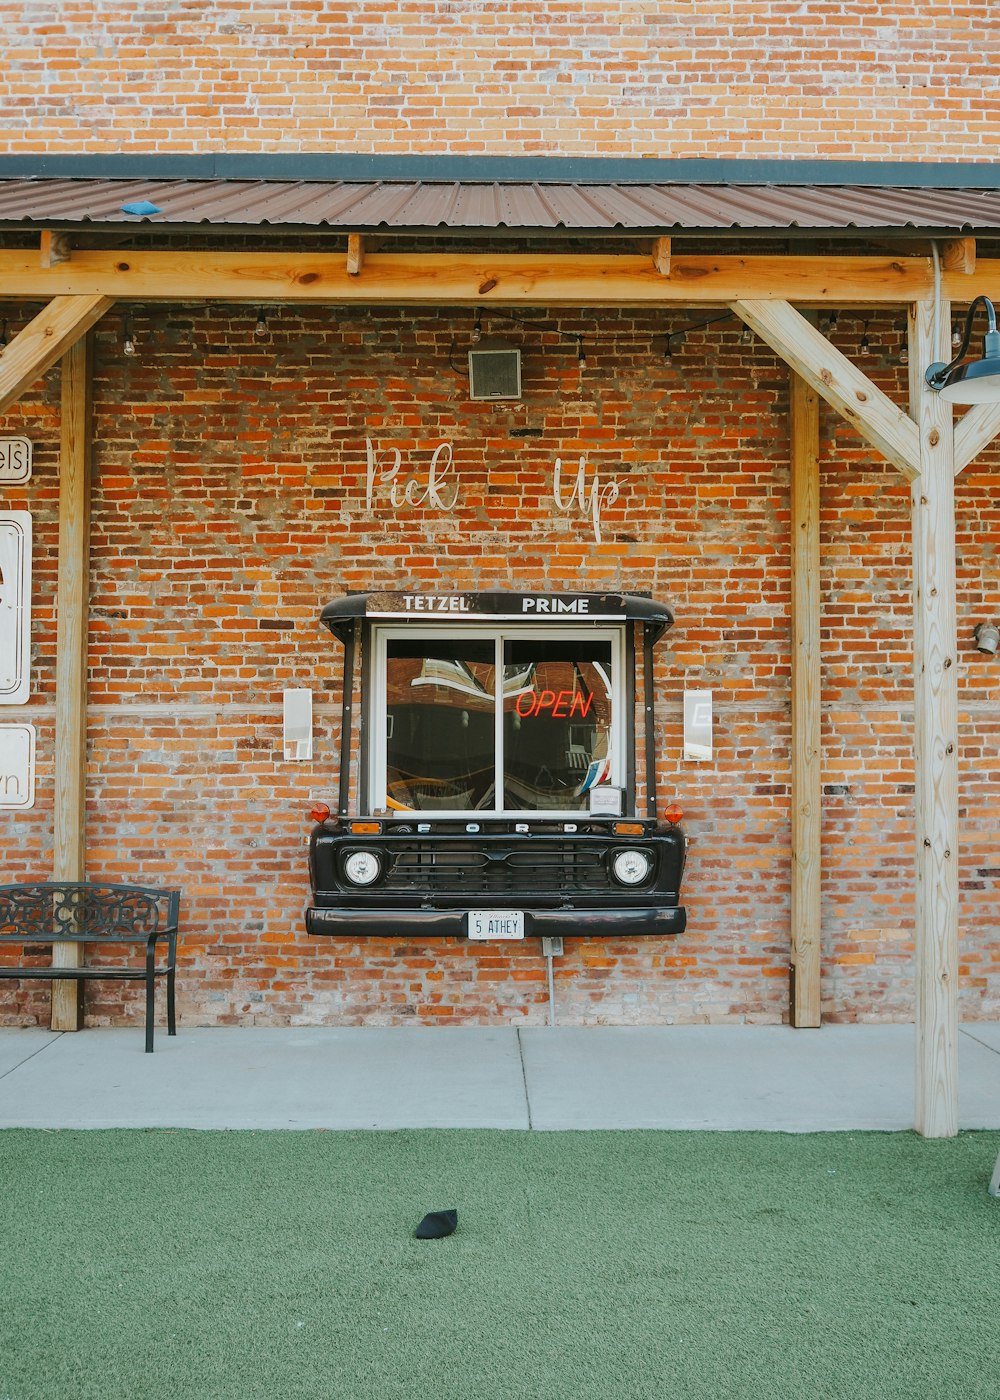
(69, 853)
(935, 735)
(807, 791)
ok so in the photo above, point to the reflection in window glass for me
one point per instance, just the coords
(556, 723)
(440, 724)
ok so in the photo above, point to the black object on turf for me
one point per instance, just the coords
(437, 1224)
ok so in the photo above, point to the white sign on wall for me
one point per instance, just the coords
(15, 461)
(297, 710)
(698, 725)
(15, 606)
(17, 765)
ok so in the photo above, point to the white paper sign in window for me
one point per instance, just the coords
(15, 461)
(698, 724)
(15, 606)
(17, 765)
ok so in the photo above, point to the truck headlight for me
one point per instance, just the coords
(631, 867)
(362, 867)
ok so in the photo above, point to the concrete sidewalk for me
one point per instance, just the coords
(719, 1077)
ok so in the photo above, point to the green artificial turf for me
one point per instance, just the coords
(589, 1266)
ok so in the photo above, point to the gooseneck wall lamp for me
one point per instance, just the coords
(973, 381)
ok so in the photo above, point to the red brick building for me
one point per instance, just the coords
(230, 497)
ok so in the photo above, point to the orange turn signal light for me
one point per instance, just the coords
(320, 812)
(365, 828)
(628, 828)
(673, 814)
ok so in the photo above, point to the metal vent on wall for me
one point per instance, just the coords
(495, 374)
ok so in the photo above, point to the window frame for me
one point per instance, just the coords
(374, 764)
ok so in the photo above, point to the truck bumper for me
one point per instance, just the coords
(538, 923)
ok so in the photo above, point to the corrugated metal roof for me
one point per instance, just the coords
(484, 206)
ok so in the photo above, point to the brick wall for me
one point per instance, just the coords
(638, 78)
(229, 505)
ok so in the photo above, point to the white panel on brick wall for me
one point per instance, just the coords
(15, 461)
(698, 724)
(15, 606)
(298, 718)
(17, 765)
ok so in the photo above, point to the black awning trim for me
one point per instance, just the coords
(425, 606)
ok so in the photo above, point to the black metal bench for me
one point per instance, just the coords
(56, 913)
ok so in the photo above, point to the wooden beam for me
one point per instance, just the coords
(54, 248)
(807, 790)
(935, 738)
(470, 278)
(836, 379)
(625, 279)
(975, 430)
(44, 340)
(69, 841)
(959, 255)
(355, 254)
(661, 256)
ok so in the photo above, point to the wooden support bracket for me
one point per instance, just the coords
(661, 256)
(836, 379)
(355, 253)
(45, 340)
(975, 430)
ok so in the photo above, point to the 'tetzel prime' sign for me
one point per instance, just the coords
(15, 606)
(591, 607)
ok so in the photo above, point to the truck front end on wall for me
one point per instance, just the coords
(496, 775)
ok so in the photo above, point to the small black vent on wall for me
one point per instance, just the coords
(495, 374)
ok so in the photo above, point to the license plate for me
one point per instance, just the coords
(496, 923)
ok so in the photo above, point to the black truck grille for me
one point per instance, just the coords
(458, 868)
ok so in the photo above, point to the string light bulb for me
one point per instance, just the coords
(668, 348)
(260, 329)
(831, 321)
(581, 355)
(746, 334)
(3, 335)
(864, 345)
(477, 329)
(128, 342)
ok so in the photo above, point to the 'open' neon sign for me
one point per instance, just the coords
(561, 704)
